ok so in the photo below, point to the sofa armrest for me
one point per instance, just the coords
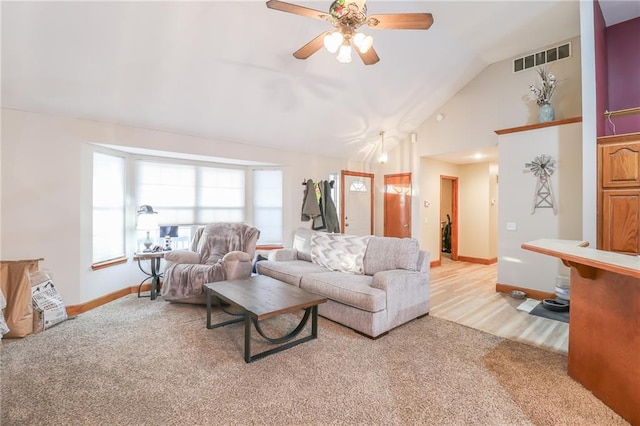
(424, 261)
(176, 257)
(283, 254)
(237, 265)
(408, 294)
(182, 256)
(391, 280)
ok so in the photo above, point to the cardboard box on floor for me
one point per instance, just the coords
(48, 307)
(16, 287)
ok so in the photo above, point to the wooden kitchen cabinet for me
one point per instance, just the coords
(619, 193)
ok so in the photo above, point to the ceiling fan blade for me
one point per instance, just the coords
(312, 47)
(369, 58)
(401, 21)
(297, 10)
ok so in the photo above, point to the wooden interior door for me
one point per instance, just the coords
(356, 206)
(397, 205)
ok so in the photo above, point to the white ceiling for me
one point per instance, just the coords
(616, 11)
(225, 70)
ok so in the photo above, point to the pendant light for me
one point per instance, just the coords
(384, 157)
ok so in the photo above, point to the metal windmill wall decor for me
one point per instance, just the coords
(543, 167)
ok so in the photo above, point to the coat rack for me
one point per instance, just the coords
(304, 183)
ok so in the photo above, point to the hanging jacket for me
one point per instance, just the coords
(310, 207)
(318, 221)
(329, 209)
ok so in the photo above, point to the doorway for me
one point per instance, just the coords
(356, 203)
(449, 217)
(397, 205)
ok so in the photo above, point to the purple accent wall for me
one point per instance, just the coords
(623, 67)
(623, 58)
(602, 89)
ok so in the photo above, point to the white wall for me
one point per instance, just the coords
(493, 210)
(498, 99)
(522, 268)
(46, 191)
(474, 225)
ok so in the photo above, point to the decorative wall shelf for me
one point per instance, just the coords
(539, 125)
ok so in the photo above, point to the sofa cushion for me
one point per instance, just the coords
(337, 252)
(302, 243)
(386, 253)
(288, 271)
(349, 289)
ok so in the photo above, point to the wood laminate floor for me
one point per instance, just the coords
(465, 293)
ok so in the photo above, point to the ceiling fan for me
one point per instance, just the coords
(347, 16)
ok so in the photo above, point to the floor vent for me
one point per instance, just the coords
(552, 54)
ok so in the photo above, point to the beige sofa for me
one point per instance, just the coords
(387, 284)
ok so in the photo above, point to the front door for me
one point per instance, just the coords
(397, 205)
(357, 203)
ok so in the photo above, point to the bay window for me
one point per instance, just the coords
(185, 193)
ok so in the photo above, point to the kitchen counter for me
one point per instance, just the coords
(604, 322)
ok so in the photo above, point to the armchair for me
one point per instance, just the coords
(219, 251)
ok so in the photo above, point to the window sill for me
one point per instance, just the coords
(108, 263)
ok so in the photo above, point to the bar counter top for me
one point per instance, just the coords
(574, 253)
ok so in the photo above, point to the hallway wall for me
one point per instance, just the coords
(474, 215)
(477, 223)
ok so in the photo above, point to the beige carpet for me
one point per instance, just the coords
(141, 362)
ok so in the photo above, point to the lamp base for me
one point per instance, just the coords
(147, 244)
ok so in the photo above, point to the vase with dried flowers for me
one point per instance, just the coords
(544, 93)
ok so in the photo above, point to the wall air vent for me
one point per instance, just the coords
(552, 54)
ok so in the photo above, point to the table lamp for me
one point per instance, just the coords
(147, 221)
(168, 232)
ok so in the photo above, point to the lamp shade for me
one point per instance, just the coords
(363, 42)
(333, 41)
(146, 209)
(344, 54)
(147, 222)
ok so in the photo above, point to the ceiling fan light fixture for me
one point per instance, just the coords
(333, 41)
(346, 16)
(363, 42)
(344, 54)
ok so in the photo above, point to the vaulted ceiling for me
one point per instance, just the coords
(225, 70)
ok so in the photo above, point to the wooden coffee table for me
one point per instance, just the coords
(261, 297)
